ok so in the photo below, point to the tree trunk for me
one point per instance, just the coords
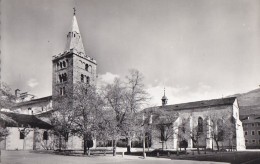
(129, 145)
(85, 145)
(217, 144)
(60, 142)
(114, 148)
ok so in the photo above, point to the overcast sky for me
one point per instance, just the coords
(198, 50)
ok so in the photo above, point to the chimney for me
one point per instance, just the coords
(17, 93)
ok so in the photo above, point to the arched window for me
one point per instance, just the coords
(82, 77)
(220, 129)
(200, 124)
(60, 78)
(88, 79)
(63, 91)
(90, 68)
(65, 77)
(86, 67)
(45, 135)
(64, 64)
(60, 64)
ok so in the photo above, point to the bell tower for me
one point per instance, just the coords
(164, 99)
(73, 65)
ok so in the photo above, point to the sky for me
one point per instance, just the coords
(197, 50)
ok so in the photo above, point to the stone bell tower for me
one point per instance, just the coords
(73, 65)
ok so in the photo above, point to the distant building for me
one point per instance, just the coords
(251, 125)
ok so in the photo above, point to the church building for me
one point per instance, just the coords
(198, 124)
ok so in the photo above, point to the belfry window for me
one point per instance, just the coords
(64, 64)
(65, 78)
(200, 124)
(86, 67)
(82, 77)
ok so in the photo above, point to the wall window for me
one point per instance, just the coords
(200, 124)
(253, 141)
(45, 135)
(258, 124)
(246, 141)
(220, 127)
(22, 134)
(253, 132)
(245, 125)
(253, 124)
(258, 132)
(162, 133)
(245, 133)
(87, 80)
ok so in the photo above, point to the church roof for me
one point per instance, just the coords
(23, 120)
(197, 104)
(34, 101)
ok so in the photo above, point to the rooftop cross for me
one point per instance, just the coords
(74, 10)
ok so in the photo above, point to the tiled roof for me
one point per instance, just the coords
(34, 101)
(197, 104)
(23, 120)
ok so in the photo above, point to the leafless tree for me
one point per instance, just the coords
(194, 132)
(88, 108)
(221, 128)
(163, 122)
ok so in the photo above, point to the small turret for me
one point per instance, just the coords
(164, 99)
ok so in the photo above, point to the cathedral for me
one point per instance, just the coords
(75, 66)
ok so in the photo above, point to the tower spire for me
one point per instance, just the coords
(74, 40)
(164, 98)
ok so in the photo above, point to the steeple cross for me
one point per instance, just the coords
(74, 10)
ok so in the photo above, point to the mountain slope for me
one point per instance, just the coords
(249, 102)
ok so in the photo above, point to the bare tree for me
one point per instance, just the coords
(221, 128)
(87, 107)
(62, 119)
(164, 121)
(194, 132)
(136, 97)
(115, 98)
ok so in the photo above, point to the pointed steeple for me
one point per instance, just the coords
(164, 99)
(74, 40)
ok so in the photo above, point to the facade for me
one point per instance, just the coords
(200, 117)
(251, 125)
